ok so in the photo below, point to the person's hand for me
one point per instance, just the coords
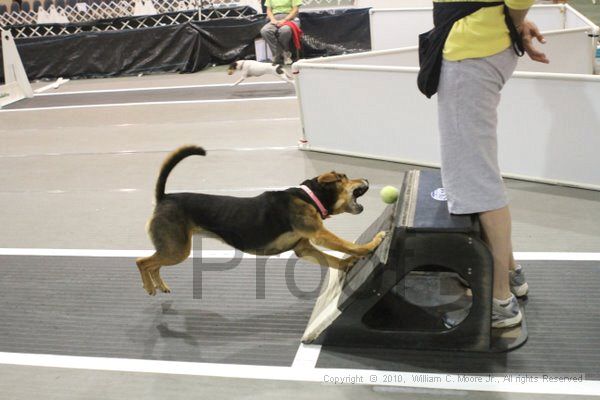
(274, 22)
(529, 31)
(280, 23)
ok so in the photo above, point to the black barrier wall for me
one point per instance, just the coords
(175, 48)
(331, 33)
(230, 39)
(185, 47)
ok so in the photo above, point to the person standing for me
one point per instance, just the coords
(467, 58)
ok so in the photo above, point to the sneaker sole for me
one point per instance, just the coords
(508, 322)
(520, 291)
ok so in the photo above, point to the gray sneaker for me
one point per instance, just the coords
(506, 315)
(287, 58)
(518, 285)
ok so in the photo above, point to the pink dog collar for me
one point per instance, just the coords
(322, 209)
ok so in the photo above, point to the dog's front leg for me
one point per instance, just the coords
(285, 78)
(239, 80)
(325, 238)
(307, 251)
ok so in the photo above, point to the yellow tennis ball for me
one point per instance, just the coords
(389, 194)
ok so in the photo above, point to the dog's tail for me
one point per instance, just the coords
(170, 163)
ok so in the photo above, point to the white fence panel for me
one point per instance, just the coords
(569, 51)
(393, 28)
(548, 130)
(400, 27)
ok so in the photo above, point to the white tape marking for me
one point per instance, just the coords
(307, 356)
(150, 103)
(320, 375)
(143, 89)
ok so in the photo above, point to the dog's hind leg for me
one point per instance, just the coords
(175, 256)
(150, 266)
(158, 282)
(172, 240)
(143, 265)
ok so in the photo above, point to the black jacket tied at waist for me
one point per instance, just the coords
(431, 43)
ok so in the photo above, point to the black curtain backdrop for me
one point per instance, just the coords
(187, 47)
(175, 48)
(335, 32)
(230, 39)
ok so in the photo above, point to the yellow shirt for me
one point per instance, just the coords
(282, 6)
(481, 34)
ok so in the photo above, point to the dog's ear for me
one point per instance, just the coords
(329, 177)
(233, 65)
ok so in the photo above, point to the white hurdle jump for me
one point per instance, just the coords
(16, 85)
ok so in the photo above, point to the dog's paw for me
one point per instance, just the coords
(151, 290)
(350, 262)
(164, 288)
(379, 238)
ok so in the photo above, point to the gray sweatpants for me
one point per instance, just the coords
(468, 98)
(278, 39)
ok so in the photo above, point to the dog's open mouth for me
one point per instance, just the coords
(359, 191)
(356, 208)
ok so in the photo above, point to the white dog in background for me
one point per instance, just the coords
(251, 68)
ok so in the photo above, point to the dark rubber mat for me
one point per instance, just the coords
(161, 95)
(96, 307)
(563, 320)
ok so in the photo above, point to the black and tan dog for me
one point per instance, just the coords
(271, 223)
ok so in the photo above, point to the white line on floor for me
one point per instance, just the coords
(319, 375)
(220, 254)
(150, 103)
(307, 356)
(520, 256)
(139, 89)
(226, 121)
(228, 254)
(149, 151)
(556, 256)
(255, 190)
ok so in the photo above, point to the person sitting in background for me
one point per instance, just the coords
(276, 33)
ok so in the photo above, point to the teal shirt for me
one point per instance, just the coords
(282, 6)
